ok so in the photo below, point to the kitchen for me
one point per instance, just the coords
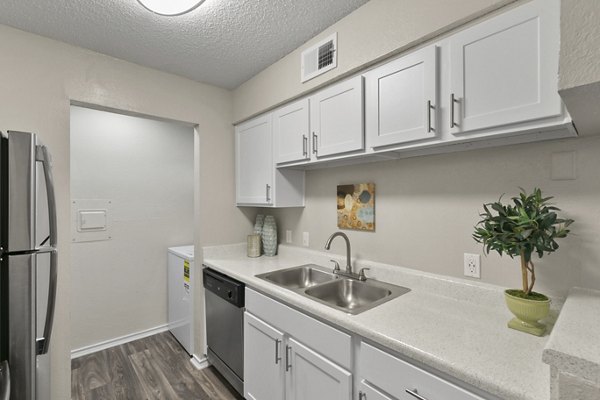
(427, 204)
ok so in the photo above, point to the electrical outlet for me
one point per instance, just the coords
(288, 236)
(305, 241)
(472, 265)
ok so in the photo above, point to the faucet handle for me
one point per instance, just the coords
(361, 274)
(336, 267)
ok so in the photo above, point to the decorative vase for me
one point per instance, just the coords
(258, 228)
(269, 236)
(527, 313)
(253, 246)
(258, 225)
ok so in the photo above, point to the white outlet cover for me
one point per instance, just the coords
(305, 241)
(288, 236)
(472, 265)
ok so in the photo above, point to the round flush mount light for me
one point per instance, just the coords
(170, 7)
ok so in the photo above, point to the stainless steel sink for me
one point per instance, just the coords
(348, 295)
(354, 296)
(298, 277)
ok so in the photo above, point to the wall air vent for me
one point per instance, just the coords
(319, 58)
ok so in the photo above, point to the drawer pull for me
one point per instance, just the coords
(304, 146)
(288, 365)
(452, 101)
(277, 357)
(415, 394)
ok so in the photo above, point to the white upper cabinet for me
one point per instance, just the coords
(254, 161)
(505, 70)
(258, 182)
(401, 99)
(291, 132)
(337, 119)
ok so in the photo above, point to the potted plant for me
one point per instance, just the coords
(529, 225)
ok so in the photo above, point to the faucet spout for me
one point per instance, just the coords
(348, 251)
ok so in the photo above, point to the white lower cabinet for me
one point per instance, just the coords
(264, 372)
(312, 376)
(368, 392)
(402, 380)
(288, 355)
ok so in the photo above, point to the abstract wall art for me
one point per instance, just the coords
(356, 206)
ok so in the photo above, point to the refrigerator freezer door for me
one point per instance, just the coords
(21, 321)
(21, 191)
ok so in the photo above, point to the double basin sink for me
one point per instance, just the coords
(345, 294)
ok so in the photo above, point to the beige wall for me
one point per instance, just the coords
(426, 208)
(39, 79)
(579, 46)
(373, 32)
(146, 169)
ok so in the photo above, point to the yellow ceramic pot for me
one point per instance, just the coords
(528, 313)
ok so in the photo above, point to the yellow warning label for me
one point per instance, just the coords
(186, 271)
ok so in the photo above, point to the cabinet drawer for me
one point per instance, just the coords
(395, 376)
(328, 341)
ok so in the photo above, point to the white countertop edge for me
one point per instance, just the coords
(574, 346)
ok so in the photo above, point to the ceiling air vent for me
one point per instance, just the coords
(319, 59)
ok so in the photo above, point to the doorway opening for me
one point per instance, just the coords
(132, 198)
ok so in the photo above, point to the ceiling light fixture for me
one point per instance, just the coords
(170, 7)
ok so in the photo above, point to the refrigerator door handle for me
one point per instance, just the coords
(42, 155)
(4, 381)
(43, 343)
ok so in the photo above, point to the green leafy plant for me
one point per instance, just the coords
(529, 225)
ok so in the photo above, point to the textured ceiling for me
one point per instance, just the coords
(222, 42)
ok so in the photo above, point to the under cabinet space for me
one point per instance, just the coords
(401, 99)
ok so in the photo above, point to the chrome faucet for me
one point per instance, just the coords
(349, 273)
(348, 251)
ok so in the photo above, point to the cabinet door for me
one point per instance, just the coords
(401, 99)
(368, 392)
(254, 161)
(505, 70)
(263, 362)
(291, 132)
(337, 118)
(313, 377)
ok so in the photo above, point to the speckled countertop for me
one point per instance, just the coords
(573, 347)
(452, 325)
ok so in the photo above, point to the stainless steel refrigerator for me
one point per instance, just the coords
(28, 266)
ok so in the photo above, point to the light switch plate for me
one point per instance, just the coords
(305, 241)
(288, 236)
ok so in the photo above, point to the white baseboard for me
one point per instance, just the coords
(117, 341)
(199, 363)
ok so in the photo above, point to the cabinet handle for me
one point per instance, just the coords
(452, 101)
(415, 394)
(429, 128)
(268, 194)
(304, 146)
(277, 357)
(314, 143)
(287, 358)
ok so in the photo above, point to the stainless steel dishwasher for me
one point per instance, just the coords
(225, 326)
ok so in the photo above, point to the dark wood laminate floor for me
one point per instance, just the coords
(152, 368)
